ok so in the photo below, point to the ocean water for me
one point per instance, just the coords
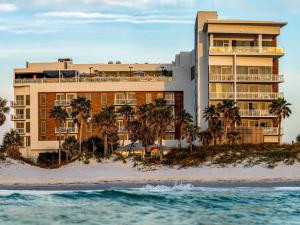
(180, 204)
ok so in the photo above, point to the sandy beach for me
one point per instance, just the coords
(18, 173)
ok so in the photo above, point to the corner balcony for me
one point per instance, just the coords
(245, 95)
(242, 50)
(255, 113)
(65, 130)
(17, 117)
(17, 103)
(272, 131)
(125, 102)
(62, 102)
(248, 78)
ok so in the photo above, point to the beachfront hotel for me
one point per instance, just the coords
(232, 59)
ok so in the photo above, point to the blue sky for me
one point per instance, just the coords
(95, 31)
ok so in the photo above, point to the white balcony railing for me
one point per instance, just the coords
(247, 78)
(125, 101)
(66, 130)
(17, 103)
(247, 50)
(20, 130)
(17, 117)
(62, 102)
(170, 101)
(96, 79)
(255, 113)
(246, 95)
(272, 131)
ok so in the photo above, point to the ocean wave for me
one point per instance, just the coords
(287, 188)
(164, 188)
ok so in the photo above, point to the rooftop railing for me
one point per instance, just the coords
(246, 95)
(95, 79)
(247, 78)
(247, 50)
(272, 131)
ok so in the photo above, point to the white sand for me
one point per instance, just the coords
(109, 171)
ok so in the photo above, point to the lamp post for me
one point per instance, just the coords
(130, 68)
(91, 70)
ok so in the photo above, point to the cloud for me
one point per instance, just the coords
(7, 7)
(93, 17)
(100, 4)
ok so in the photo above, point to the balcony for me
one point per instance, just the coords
(246, 78)
(246, 95)
(170, 101)
(17, 117)
(62, 102)
(65, 130)
(17, 103)
(272, 131)
(125, 102)
(20, 130)
(255, 113)
(241, 50)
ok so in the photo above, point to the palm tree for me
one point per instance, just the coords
(231, 115)
(70, 146)
(127, 112)
(233, 137)
(81, 108)
(205, 137)
(161, 119)
(4, 109)
(182, 120)
(211, 114)
(105, 121)
(59, 115)
(11, 144)
(281, 109)
(191, 132)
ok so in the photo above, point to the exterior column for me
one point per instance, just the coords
(211, 40)
(260, 42)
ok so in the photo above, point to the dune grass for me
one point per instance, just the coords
(222, 155)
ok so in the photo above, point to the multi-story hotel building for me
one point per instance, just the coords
(232, 59)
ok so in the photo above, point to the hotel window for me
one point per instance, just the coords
(160, 95)
(43, 100)
(169, 136)
(148, 98)
(131, 96)
(28, 141)
(267, 43)
(169, 96)
(43, 127)
(20, 113)
(70, 124)
(69, 111)
(22, 141)
(27, 127)
(20, 99)
(27, 113)
(43, 114)
(20, 127)
(104, 100)
(218, 87)
(221, 43)
(60, 97)
(71, 96)
(120, 124)
(43, 138)
(27, 99)
(62, 137)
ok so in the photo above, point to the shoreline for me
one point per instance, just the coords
(138, 184)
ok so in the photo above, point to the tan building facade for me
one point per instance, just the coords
(232, 59)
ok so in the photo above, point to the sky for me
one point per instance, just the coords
(96, 31)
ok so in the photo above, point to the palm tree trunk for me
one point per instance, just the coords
(105, 145)
(93, 148)
(179, 140)
(80, 137)
(161, 149)
(59, 148)
(279, 132)
(191, 147)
